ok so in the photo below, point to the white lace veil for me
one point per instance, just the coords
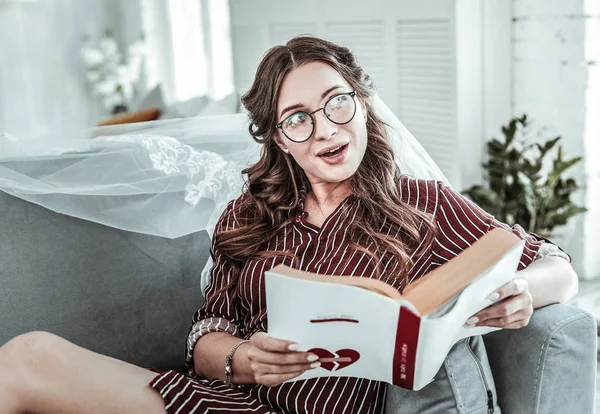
(165, 178)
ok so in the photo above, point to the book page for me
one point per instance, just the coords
(438, 335)
(352, 329)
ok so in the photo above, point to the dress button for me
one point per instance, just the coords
(298, 219)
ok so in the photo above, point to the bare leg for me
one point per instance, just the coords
(43, 373)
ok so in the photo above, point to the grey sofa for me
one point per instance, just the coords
(132, 296)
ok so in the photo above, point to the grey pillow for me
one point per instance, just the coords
(152, 99)
(123, 294)
(227, 105)
(185, 109)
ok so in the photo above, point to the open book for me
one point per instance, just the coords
(362, 327)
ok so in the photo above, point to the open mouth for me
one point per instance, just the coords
(334, 152)
(336, 156)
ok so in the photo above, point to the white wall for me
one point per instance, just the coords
(42, 85)
(550, 81)
(592, 138)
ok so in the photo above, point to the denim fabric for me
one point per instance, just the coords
(460, 386)
(549, 366)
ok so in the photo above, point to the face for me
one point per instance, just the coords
(304, 90)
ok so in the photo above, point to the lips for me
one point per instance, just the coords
(331, 148)
(337, 157)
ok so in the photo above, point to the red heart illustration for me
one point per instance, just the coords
(335, 361)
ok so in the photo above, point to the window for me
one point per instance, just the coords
(201, 48)
(190, 47)
(190, 74)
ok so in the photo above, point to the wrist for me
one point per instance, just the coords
(237, 366)
(242, 373)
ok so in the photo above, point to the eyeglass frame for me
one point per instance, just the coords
(311, 115)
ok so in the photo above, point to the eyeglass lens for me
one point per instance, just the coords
(339, 109)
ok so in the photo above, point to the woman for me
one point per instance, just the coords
(326, 196)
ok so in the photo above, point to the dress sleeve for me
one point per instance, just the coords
(460, 222)
(219, 312)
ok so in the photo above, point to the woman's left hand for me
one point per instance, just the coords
(513, 310)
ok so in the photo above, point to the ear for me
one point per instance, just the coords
(280, 143)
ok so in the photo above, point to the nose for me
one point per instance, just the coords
(324, 128)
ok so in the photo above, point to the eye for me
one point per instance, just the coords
(337, 102)
(296, 120)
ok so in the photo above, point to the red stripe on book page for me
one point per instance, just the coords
(405, 354)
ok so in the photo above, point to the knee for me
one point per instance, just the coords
(30, 352)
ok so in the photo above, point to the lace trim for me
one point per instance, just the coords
(211, 173)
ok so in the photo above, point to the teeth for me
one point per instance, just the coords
(333, 150)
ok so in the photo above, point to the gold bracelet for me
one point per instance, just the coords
(228, 364)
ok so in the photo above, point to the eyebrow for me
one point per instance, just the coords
(323, 95)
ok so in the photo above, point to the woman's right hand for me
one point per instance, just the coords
(273, 362)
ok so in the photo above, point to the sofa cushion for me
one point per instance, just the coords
(127, 295)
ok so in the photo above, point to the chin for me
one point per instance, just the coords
(337, 176)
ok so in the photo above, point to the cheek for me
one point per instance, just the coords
(360, 136)
(302, 155)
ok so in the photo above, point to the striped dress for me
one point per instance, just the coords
(323, 250)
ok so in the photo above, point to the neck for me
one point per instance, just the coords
(326, 194)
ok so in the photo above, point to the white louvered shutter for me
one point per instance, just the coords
(425, 79)
(367, 42)
(407, 47)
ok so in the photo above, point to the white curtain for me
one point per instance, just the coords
(190, 47)
(42, 78)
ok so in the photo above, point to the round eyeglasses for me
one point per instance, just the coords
(339, 109)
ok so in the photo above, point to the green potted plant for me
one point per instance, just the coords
(521, 188)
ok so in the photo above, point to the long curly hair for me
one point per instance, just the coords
(274, 184)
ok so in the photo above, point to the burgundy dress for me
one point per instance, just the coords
(322, 250)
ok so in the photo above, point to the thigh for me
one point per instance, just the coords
(463, 385)
(58, 376)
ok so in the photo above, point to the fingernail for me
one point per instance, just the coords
(473, 320)
(312, 358)
(315, 364)
(494, 296)
(293, 347)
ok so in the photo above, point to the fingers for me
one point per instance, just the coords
(280, 358)
(274, 361)
(268, 343)
(502, 309)
(513, 310)
(516, 320)
(260, 368)
(513, 288)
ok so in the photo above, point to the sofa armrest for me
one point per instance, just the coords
(549, 366)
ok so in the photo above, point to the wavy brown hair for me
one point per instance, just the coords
(272, 191)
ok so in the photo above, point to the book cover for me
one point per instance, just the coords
(361, 327)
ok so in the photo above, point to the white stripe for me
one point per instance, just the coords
(337, 380)
(365, 396)
(171, 385)
(457, 204)
(308, 395)
(179, 395)
(334, 272)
